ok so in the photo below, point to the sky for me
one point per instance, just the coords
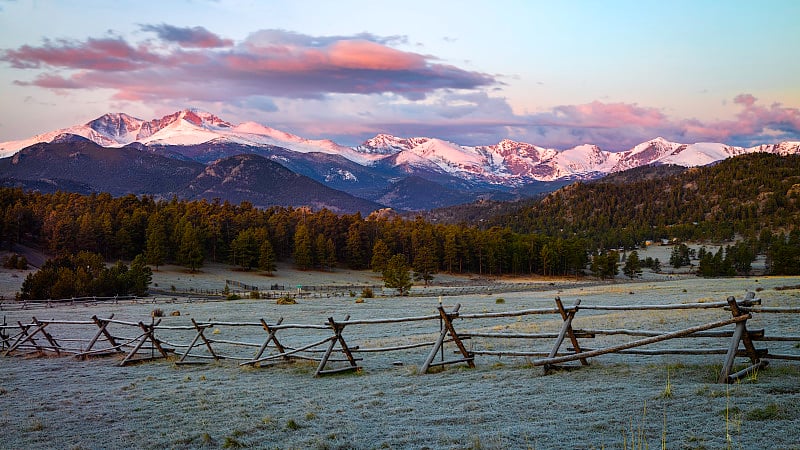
(551, 73)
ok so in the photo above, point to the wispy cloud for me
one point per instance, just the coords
(193, 64)
(192, 37)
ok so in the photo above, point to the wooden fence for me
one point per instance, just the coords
(327, 344)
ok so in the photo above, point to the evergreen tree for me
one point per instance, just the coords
(425, 264)
(303, 254)
(355, 246)
(190, 252)
(380, 256)
(245, 249)
(633, 267)
(266, 258)
(156, 244)
(140, 276)
(330, 254)
(396, 274)
(679, 256)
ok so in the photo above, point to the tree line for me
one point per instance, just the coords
(190, 233)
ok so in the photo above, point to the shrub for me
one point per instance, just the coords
(367, 293)
(500, 301)
(157, 313)
(286, 300)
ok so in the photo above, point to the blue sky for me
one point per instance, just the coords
(555, 74)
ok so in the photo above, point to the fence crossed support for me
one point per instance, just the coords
(102, 325)
(740, 335)
(566, 330)
(148, 335)
(25, 336)
(337, 328)
(199, 336)
(447, 328)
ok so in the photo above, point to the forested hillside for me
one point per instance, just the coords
(743, 196)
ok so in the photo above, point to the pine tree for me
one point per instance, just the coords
(140, 276)
(244, 249)
(156, 243)
(303, 254)
(425, 264)
(190, 251)
(396, 274)
(266, 258)
(633, 266)
(380, 256)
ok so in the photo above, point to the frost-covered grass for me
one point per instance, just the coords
(503, 403)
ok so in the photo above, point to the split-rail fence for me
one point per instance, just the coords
(281, 342)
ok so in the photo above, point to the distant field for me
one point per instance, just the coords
(502, 403)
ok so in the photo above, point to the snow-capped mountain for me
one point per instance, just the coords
(504, 165)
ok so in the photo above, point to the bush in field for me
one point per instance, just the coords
(367, 293)
(286, 300)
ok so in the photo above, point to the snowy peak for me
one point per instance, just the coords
(386, 144)
(187, 121)
(116, 126)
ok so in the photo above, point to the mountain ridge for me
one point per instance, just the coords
(506, 164)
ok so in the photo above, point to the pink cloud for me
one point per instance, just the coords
(609, 115)
(358, 54)
(94, 54)
(203, 66)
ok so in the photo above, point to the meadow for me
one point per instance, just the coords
(618, 401)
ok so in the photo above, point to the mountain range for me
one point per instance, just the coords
(187, 154)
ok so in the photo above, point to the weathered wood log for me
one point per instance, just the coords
(392, 349)
(777, 338)
(710, 305)
(338, 370)
(756, 334)
(389, 320)
(454, 361)
(523, 312)
(290, 352)
(747, 371)
(684, 351)
(514, 353)
(782, 356)
(472, 334)
(338, 329)
(640, 342)
(771, 309)
(66, 322)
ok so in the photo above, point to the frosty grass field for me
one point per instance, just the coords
(618, 401)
